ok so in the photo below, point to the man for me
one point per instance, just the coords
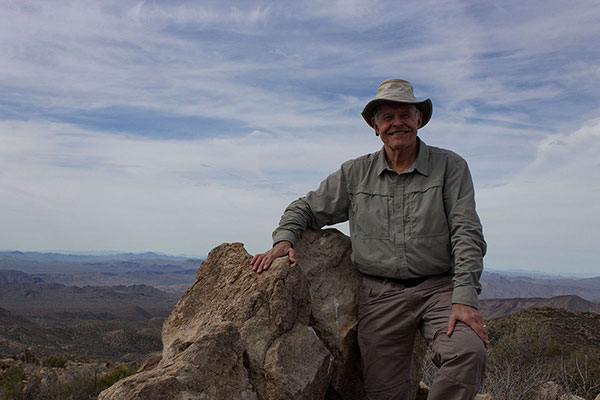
(418, 241)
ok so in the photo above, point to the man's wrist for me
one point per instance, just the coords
(290, 244)
(465, 295)
(283, 235)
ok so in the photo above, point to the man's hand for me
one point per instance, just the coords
(471, 317)
(262, 262)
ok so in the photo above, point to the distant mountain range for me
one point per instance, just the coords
(494, 308)
(49, 257)
(173, 274)
(501, 286)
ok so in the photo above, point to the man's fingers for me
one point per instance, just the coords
(471, 317)
(451, 325)
(264, 264)
(484, 335)
(480, 329)
(258, 263)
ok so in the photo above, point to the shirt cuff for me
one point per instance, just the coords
(466, 295)
(281, 235)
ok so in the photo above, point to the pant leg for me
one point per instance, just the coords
(460, 357)
(385, 335)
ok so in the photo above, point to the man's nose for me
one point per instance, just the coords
(397, 121)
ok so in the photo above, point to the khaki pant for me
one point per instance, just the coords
(390, 314)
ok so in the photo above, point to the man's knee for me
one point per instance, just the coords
(461, 356)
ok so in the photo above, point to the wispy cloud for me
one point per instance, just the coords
(163, 194)
(177, 106)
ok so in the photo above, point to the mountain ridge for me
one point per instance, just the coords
(494, 308)
(54, 301)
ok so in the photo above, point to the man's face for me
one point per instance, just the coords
(397, 125)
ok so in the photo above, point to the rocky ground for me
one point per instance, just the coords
(26, 377)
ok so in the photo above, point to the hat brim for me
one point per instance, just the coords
(425, 106)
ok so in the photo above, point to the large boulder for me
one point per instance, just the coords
(288, 333)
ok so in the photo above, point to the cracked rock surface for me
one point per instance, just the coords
(288, 333)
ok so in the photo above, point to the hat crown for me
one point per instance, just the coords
(396, 89)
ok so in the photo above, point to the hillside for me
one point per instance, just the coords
(497, 286)
(16, 330)
(52, 301)
(90, 323)
(572, 330)
(494, 308)
(88, 307)
(80, 340)
(537, 345)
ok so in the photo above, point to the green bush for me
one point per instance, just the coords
(120, 372)
(12, 383)
(88, 386)
(54, 362)
(519, 363)
(15, 384)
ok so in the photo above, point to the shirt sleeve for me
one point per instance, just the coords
(466, 233)
(327, 205)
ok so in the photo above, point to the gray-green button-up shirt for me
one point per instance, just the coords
(418, 223)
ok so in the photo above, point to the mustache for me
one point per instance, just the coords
(392, 132)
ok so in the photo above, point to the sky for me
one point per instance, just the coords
(175, 126)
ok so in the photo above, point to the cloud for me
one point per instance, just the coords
(187, 59)
(66, 187)
(546, 215)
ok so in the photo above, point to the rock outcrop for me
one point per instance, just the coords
(288, 333)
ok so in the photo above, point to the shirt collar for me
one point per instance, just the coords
(421, 164)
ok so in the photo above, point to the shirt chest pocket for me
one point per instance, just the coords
(370, 215)
(425, 206)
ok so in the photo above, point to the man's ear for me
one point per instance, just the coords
(374, 125)
(420, 120)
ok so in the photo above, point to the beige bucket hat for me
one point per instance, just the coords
(397, 91)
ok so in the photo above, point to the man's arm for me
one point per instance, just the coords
(327, 205)
(468, 247)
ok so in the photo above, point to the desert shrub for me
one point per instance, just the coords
(579, 372)
(54, 362)
(520, 361)
(80, 386)
(89, 385)
(12, 383)
(16, 384)
(120, 372)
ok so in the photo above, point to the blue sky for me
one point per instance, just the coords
(176, 126)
